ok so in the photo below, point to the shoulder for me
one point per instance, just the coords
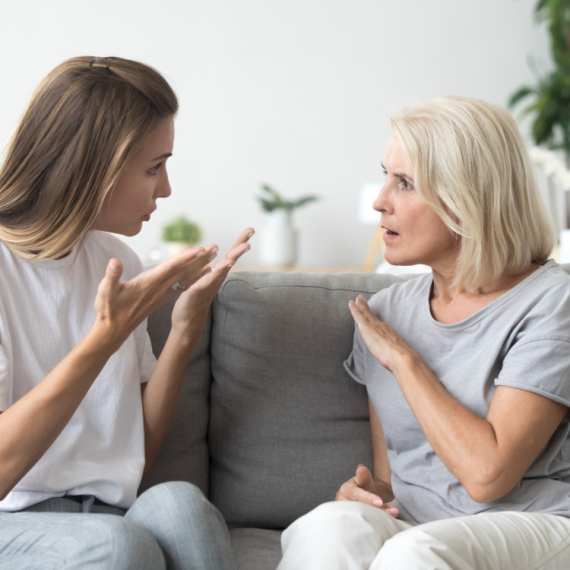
(407, 292)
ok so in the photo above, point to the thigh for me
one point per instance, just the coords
(43, 540)
(507, 540)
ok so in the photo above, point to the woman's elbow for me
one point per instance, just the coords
(488, 489)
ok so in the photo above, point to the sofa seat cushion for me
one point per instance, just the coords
(256, 548)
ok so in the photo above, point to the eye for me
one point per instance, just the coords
(405, 185)
(153, 170)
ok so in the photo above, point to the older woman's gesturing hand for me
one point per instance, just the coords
(362, 488)
(381, 339)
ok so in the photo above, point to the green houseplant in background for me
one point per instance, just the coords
(548, 106)
(180, 234)
(550, 97)
(278, 243)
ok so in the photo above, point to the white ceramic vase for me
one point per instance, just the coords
(278, 243)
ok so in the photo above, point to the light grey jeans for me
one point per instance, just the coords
(171, 525)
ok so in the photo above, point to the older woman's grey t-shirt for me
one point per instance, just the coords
(522, 340)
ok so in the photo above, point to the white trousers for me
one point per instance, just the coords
(346, 535)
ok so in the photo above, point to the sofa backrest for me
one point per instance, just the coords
(287, 424)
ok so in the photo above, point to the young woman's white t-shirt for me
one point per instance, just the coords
(46, 308)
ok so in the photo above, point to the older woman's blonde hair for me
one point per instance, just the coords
(471, 166)
(83, 124)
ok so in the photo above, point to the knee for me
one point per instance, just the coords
(175, 496)
(329, 521)
(410, 549)
(116, 543)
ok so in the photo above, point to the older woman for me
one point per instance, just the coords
(467, 368)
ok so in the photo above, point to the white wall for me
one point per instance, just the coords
(296, 93)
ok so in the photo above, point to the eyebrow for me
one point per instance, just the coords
(397, 175)
(165, 155)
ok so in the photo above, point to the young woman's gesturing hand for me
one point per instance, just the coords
(122, 306)
(191, 309)
(362, 488)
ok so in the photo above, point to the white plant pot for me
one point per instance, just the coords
(176, 247)
(278, 243)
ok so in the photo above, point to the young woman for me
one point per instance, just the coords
(467, 368)
(84, 405)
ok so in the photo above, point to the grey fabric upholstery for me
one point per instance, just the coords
(256, 548)
(287, 424)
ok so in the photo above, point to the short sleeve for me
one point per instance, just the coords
(5, 387)
(541, 366)
(354, 364)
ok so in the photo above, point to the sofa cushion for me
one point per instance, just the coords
(287, 424)
(256, 548)
(184, 453)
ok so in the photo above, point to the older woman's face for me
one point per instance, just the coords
(414, 232)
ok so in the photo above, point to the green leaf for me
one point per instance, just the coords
(519, 95)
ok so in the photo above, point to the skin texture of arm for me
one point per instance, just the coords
(489, 456)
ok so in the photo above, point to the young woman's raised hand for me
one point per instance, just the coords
(191, 309)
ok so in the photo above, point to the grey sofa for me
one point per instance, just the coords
(269, 424)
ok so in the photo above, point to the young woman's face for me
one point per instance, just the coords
(415, 233)
(143, 180)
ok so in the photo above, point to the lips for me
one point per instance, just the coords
(390, 232)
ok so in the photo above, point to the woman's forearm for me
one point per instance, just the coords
(160, 394)
(465, 442)
(34, 422)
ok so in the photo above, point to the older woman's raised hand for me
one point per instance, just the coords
(362, 488)
(381, 339)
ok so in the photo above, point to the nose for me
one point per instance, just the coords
(382, 203)
(164, 190)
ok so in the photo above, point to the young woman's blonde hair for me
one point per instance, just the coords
(83, 124)
(471, 166)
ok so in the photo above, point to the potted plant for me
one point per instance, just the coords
(278, 244)
(549, 105)
(180, 234)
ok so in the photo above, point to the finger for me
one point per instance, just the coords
(112, 277)
(364, 478)
(186, 266)
(243, 237)
(391, 510)
(363, 496)
(236, 253)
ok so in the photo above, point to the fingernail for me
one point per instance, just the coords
(378, 503)
(249, 235)
(113, 266)
(212, 256)
(392, 510)
(200, 253)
